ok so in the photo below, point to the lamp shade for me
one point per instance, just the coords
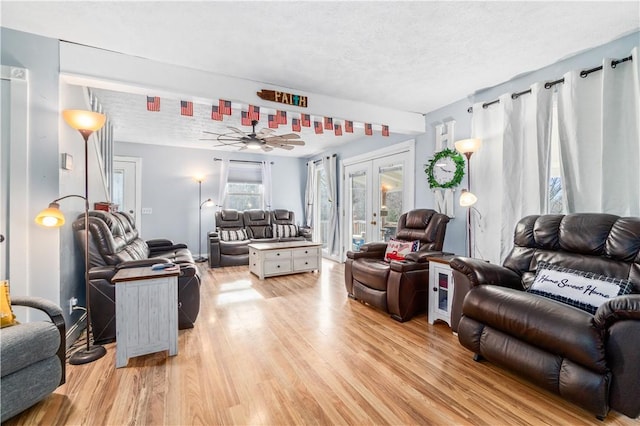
(468, 145)
(467, 199)
(198, 178)
(51, 217)
(84, 120)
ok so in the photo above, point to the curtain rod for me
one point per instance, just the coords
(241, 161)
(550, 84)
(320, 160)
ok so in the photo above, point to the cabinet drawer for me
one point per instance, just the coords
(277, 254)
(306, 252)
(277, 266)
(305, 263)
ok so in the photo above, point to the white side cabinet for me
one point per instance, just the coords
(146, 313)
(441, 287)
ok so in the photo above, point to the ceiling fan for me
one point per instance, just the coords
(265, 139)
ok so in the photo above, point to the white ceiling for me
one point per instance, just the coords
(409, 56)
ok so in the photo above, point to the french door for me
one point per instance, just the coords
(377, 191)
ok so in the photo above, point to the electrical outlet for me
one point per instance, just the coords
(147, 210)
(73, 302)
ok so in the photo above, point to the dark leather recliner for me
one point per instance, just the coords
(114, 244)
(287, 217)
(590, 360)
(397, 287)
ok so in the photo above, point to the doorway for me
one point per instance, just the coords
(377, 190)
(127, 187)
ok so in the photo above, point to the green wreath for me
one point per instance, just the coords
(458, 161)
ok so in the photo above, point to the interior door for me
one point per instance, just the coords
(126, 191)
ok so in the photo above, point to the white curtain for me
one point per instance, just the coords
(266, 185)
(333, 234)
(514, 157)
(600, 139)
(222, 183)
(309, 195)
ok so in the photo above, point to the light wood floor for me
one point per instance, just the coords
(296, 350)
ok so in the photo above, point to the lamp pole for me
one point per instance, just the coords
(200, 258)
(91, 352)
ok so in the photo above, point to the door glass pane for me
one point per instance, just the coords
(325, 207)
(391, 194)
(118, 188)
(358, 184)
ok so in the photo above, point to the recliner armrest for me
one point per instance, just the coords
(421, 256)
(141, 263)
(617, 309)
(54, 312)
(160, 245)
(102, 272)
(480, 272)
(159, 242)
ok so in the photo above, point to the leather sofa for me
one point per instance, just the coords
(114, 244)
(397, 287)
(258, 225)
(592, 360)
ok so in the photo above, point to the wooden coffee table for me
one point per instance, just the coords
(291, 257)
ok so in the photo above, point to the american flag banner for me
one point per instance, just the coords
(215, 113)
(348, 126)
(295, 125)
(254, 113)
(153, 103)
(186, 108)
(368, 130)
(305, 120)
(273, 121)
(246, 121)
(385, 130)
(328, 123)
(282, 117)
(317, 126)
(224, 107)
(338, 129)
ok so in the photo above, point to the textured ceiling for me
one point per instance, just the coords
(409, 56)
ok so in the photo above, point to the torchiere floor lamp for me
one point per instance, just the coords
(208, 201)
(86, 122)
(467, 199)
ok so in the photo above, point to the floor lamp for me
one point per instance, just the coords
(208, 201)
(86, 122)
(467, 199)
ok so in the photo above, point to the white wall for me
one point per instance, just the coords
(168, 188)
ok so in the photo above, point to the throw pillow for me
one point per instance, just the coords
(7, 317)
(398, 249)
(233, 235)
(285, 231)
(584, 290)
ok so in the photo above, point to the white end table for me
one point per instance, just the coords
(146, 312)
(441, 288)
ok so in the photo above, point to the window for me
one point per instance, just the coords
(244, 187)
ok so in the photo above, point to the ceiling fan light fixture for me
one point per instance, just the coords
(254, 145)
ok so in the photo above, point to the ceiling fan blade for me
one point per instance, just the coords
(266, 148)
(280, 145)
(238, 131)
(283, 141)
(211, 133)
(264, 132)
(289, 136)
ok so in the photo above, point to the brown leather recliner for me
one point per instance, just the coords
(114, 244)
(592, 360)
(397, 287)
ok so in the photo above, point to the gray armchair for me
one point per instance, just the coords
(32, 358)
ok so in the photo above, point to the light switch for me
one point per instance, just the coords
(147, 210)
